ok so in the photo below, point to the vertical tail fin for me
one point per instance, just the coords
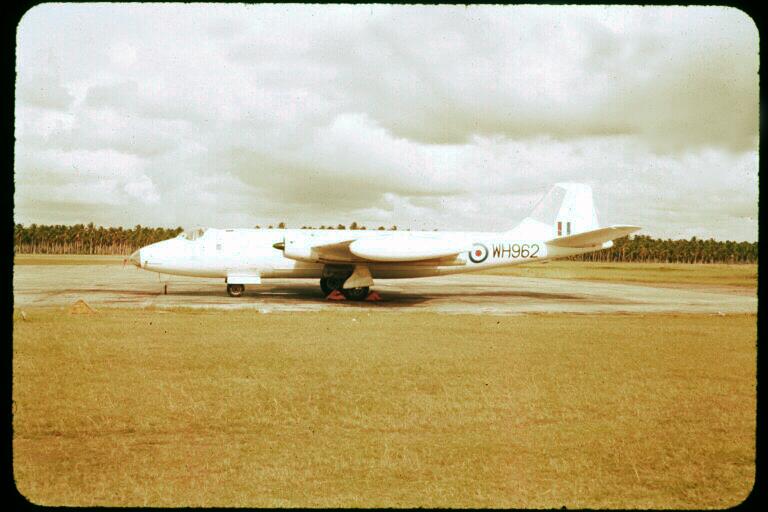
(567, 209)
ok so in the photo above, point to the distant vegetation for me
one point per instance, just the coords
(85, 239)
(89, 239)
(644, 249)
(354, 225)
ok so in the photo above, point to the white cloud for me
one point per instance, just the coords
(122, 54)
(431, 116)
(142, 190)
(44, 90)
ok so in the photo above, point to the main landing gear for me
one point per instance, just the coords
(333, 282)
(235, 290)
(329, 284)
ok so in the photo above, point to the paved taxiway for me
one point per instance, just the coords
(113, 285)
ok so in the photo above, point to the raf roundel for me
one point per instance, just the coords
(479, 253)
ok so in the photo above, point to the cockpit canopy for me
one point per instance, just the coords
(193, 234)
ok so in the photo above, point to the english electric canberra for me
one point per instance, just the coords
(564, 223)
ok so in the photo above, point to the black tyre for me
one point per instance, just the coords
(328, 284)
(355, 293)
(235, 290)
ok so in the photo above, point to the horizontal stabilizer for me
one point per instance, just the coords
(592, 238)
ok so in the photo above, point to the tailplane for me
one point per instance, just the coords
(588, 239)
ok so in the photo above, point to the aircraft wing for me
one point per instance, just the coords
(379, 249)
(592, 238)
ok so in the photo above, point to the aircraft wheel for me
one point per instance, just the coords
(235, 290)
(328, 284)
(355, 293)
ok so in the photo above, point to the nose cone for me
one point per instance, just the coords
(135, 258)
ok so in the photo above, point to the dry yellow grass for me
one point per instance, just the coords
(67, 259)
(742, 276)
(339, 409)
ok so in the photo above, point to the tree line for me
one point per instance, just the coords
(644, 249)
(89, 239)
(85, 239)
(354, 225)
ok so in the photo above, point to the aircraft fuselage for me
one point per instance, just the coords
(222, 252)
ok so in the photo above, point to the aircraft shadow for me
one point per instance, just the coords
(501, 296)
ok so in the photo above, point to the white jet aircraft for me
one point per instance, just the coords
(563, 223)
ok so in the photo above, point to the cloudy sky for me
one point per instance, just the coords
(428, 117)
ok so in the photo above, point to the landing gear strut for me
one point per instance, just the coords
(329, 284)
(235, 290)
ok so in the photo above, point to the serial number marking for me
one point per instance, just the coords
(515, 250)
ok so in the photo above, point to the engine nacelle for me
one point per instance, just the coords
(299, 248)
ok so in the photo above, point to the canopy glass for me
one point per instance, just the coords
(193, 234)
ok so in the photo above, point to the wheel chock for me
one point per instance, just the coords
(373, 296)
(335, 295)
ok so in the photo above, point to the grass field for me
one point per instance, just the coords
(67, 259)
(744, 276)
(339, 409)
